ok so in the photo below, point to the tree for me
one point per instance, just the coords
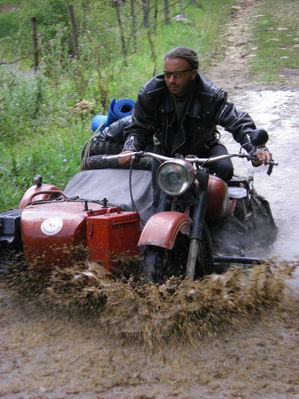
(134, 24)
(146, 11)
(117, 4)
(166, 12)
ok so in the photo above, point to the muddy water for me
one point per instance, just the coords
(277, 112)
(226, 341)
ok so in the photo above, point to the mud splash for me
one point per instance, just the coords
(148, 314)
(184, 311)
(182, 339)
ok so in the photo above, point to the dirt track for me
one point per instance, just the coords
(232, 72)
(240, 354)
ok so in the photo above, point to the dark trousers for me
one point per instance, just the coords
(223, 168)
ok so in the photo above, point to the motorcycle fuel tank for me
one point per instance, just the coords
(218, 205)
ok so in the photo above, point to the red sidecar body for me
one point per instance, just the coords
(91, 220)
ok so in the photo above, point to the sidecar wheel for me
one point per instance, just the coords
(11, 261)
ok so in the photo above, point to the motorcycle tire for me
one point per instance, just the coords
(204, 263)
(160, 264)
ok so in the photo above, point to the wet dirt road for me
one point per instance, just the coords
(240, 352)
(276, 112)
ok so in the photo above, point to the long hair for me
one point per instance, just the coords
(184, 52)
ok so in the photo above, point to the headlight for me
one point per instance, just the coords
(175, 177)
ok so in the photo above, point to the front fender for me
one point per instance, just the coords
(162, 229)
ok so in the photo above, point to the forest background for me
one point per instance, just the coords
(62, 63)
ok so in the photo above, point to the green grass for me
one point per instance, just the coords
(55, 155)
(7, 18)
(276, 37)
(10, 2)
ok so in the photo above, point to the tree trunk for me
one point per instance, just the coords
(74, 30)
(146, 10)
(155, 23)
(121, 30)
(166, 12)
(134, 23)
(182, 7)
(153, 51)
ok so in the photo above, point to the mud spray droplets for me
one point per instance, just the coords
(177, 311)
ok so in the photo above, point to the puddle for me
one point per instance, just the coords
(277, 113)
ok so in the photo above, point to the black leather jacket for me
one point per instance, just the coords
(154, 119)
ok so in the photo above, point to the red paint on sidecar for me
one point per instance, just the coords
(61, 233)
(111, 236)
(54, 234)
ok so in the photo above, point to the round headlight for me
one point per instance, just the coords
(175, 177)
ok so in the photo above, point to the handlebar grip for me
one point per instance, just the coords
(270, 169)
(253, 158)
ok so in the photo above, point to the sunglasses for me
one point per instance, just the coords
(176, 74)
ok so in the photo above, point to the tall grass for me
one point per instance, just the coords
(55, 155)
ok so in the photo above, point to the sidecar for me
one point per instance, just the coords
(91, 220)
(97, 220)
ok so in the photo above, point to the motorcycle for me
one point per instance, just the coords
(199, 216)
(106, 214)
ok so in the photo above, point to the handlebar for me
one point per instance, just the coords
(191, 159)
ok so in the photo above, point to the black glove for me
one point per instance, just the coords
(132, 144)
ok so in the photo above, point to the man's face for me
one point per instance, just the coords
(180, 82)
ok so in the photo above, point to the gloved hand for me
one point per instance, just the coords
(131, 145)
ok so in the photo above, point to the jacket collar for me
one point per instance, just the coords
(194, 105)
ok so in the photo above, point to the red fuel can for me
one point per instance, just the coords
(114, 233)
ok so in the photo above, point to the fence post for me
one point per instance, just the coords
(74, 30)
(35, 44)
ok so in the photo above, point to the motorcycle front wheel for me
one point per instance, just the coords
(159, 264)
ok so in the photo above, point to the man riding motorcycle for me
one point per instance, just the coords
(179, 110)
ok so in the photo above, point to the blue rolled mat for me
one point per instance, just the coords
(119, 109)
(98, 122)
